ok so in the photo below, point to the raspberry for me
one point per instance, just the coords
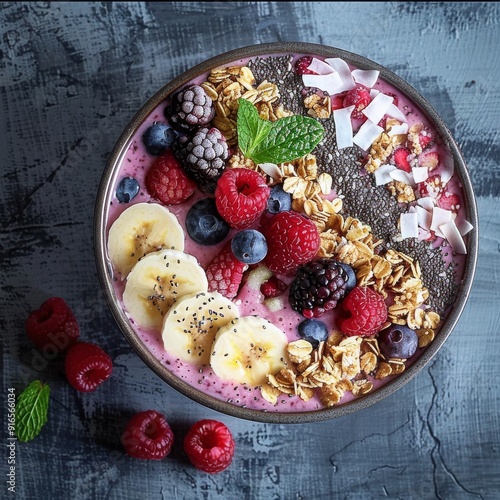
(426, 138)
(317, 288)
(292, 240)
(241, 196)
(190, 108)
(338, 101)
(449, 201)
(87, 366)
(148, 436)
(400, 158)
(225, 272)
(302, 64)
(363, 312)
(273, 287)
(203, 156)
(429, 159)
(432, 186)
(359, 97)
(167, 182)
(209, 446)
(53, 326)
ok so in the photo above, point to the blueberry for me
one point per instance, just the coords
(313, 330)
(127, 189)
(158, 137)
(398, 341)
(249, 246)
(351, 277)
(279, 200)
(204, 224)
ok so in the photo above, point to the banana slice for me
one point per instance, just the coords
(247, 349)
(142, 228)
(190, 325)
(157, 281)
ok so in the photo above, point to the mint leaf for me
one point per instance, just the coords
(31, 410)
(275, 142)
(251, 128)
(289, 138)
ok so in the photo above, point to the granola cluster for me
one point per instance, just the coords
(226, 85)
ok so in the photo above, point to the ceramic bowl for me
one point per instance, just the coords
(105, 272)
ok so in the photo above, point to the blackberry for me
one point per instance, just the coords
(190, 108)
(203, 156)
(317, 287)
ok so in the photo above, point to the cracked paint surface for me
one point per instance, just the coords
(71, 77)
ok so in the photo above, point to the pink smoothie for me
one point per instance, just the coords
(136, 163)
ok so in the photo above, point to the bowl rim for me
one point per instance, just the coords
(104, 270)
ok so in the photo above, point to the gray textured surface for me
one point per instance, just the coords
(71, 76)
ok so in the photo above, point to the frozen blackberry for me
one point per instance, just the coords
(317, 287)
(203, 156)
(190, 108)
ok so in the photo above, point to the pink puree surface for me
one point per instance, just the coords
(136, 163)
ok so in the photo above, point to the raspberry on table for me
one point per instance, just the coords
(241, 196)
(191, 107)
(363, 312)
(225, 272)
(292, 241)
(359, 97)
(317, 287)
(53, 325)
(209, 446)
(148, 436)
(167, 182)
(203, 156)
(87, 366)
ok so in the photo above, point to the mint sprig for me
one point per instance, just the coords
(276, 142)
(31, 410)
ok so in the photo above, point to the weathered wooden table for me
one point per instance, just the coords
(65, 67)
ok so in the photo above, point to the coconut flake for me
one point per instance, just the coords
(440, 216)
(320, 67)
(271, 169)
(424, 217)
(447, 169)
(366, 77)
(367, 134)
(376, 110)
(452, 234)
(402, 176)
(408, 224)
(342, 68)
(329, 83)
(420, 174)
(394, 112)
(398, 129)
(427, 202)
(464, 226)
(374, 92)
(343, 127)
(383, 174)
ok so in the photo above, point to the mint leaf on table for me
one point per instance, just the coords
(31, 410)
(276, 142)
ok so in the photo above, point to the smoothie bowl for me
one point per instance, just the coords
(286, 233)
